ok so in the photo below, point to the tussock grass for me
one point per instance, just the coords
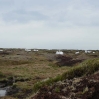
(86, 68)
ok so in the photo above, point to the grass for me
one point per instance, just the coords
(30, 73)
(1, 75)
(86, 68)
(27, 73)
(12, 62)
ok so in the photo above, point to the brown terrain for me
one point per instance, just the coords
(20, 70)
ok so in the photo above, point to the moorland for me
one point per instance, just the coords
(43, 74)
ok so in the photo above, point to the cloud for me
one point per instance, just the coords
(49, 24)
(71, 12)
(22, 16)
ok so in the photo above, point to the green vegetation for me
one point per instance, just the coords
(32, 70)
(25, 70)
(86, 68)
(57, 89)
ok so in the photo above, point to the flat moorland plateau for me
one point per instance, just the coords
(20, 70)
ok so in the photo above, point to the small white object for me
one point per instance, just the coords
(87, 51)
(27, 50)
(59, 53)
(35, 50)
(76, 52)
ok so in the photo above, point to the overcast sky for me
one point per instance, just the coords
(61, 24)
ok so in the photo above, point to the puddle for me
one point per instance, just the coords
(2, 92)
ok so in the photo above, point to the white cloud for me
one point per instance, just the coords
(49, 24)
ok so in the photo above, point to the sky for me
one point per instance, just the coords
(49, 24)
